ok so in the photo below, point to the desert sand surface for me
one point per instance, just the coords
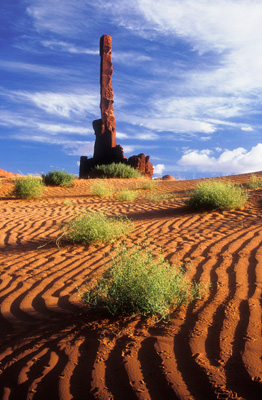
(52, 347)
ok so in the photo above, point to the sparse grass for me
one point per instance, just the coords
(116, 170)
(158, 196)
(136, 282)
(28, 187)
(101, 189)
(58, 178)
(126, 195)
(67, 202)
(148, 184)
(96, 227)
(217, 195)
(255, 182)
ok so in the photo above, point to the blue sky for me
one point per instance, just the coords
(187, 83)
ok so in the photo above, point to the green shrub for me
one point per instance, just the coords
(217, 195)
(255, 182)
(58, 178)
(126, 195)
(28, 187)
(136, 282)
(96, 227)
(116, 170)
(101, 189)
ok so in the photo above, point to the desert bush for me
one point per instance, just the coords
(136, 282)
(58, 178)
(126, 195)
(28, 187)
(96, 227)
(255, 182)
(101, 189)
(116, 170)
(217, 195)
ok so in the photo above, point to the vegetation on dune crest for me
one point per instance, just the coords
(147, 184)
(126, 195)
(136, 282)
(58, 178)
(101, 189)
(96, 227)
(255, 182)
(158, 196)
(28, 187)
(217, 195)
(116, 170)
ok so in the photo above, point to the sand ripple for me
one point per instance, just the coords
(52, 348)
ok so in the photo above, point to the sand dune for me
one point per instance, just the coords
(53, 348)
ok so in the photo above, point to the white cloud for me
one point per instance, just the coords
(238, 160)
(202, 106)
(71, 129)
(209, 24)
(70, 146)
(159, 169)
(247, 129)
(128, 149)
(121, 135)
(148, 136)
(67, 17)
(35, 68)
(130, 57)
(61, 104)
(11, 119)
(174, 124)
(230, 30)
(80, 149)
(59, 45)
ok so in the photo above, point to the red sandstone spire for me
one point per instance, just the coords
(106, 151)
(106, 104)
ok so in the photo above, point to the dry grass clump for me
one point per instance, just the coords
(28, 187)
(126, 195)
(96, 227)
(58, 178)
(101, 189)
(217, 195)
(148, 184)
(136, 282)
(158, 196)
(115, 170)
(255, 182)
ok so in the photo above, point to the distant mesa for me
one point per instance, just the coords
(106, 151)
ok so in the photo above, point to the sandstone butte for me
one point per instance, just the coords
(106, 150)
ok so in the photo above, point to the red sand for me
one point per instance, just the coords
(5, 174)
(52, 348)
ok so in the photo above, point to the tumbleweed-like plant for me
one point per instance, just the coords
(137, 282)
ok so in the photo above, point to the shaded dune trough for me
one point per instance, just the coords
(52, 348)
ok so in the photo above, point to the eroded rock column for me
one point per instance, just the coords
(105, 128)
